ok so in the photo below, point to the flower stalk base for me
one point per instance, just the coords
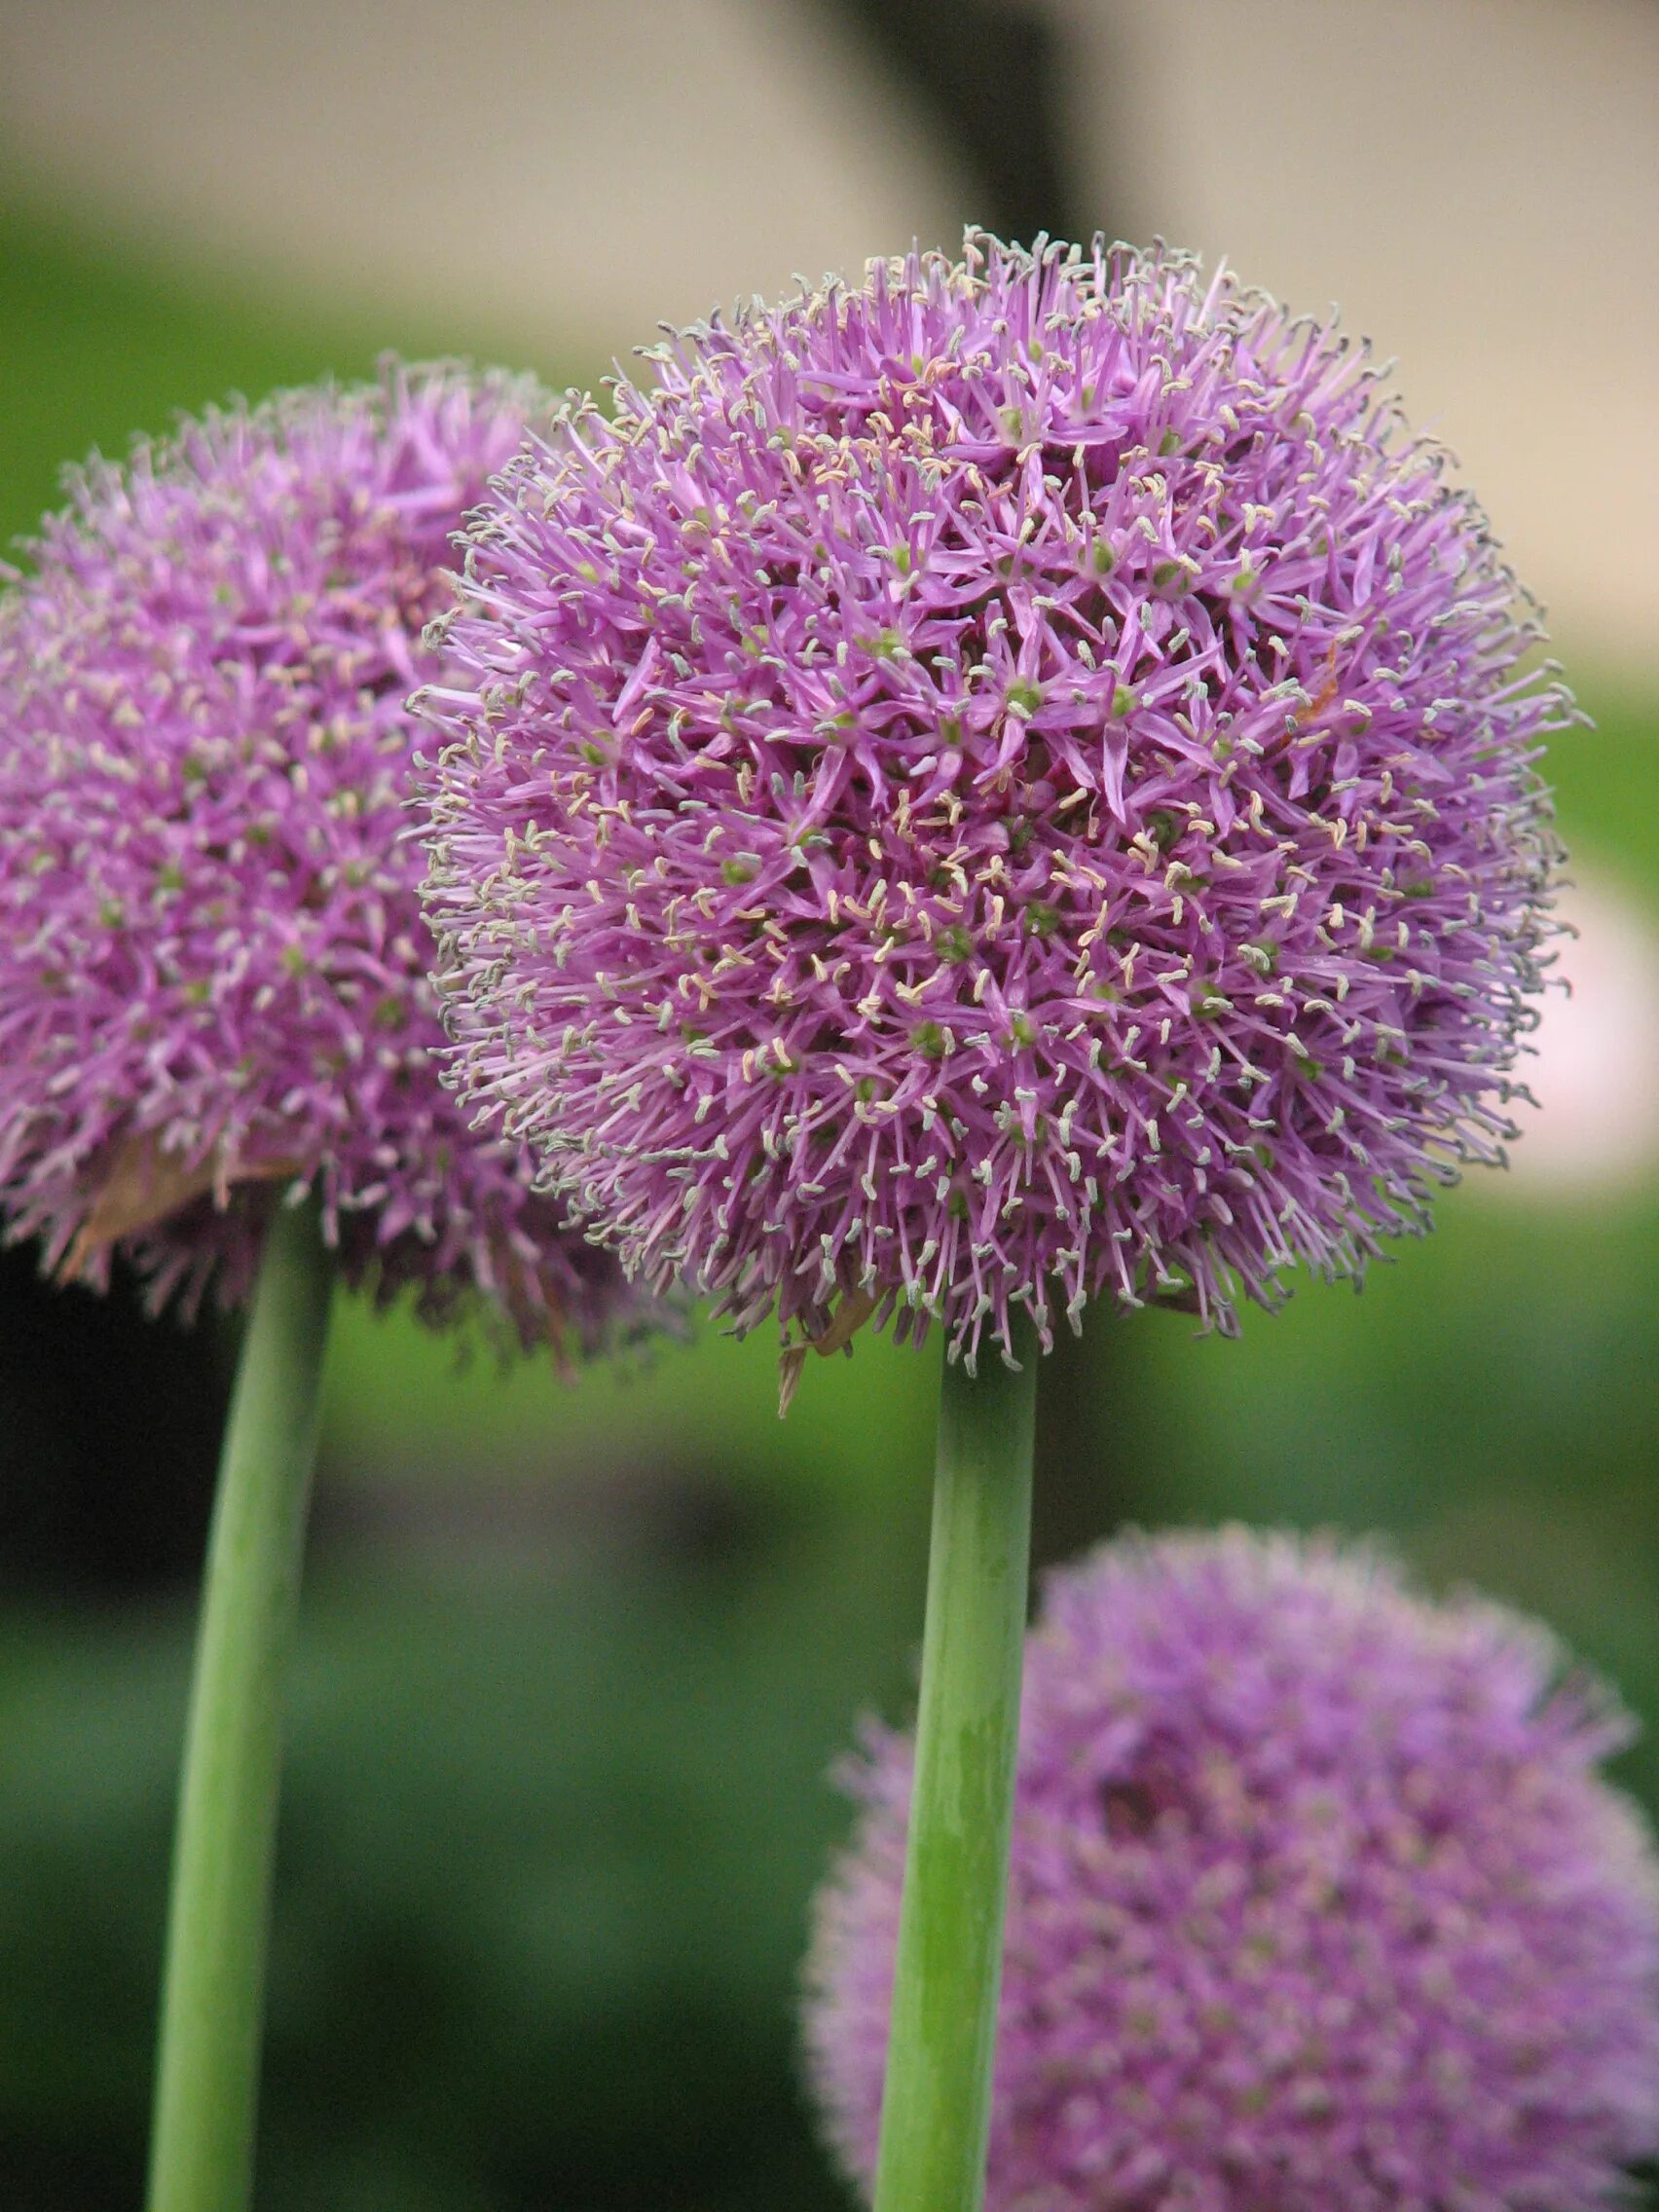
(213, 1998)
(935, 2111)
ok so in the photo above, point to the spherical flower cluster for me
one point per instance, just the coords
(213, 966)
(1317, 1904)
(1002, 785)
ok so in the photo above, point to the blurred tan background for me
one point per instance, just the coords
(1476, 182)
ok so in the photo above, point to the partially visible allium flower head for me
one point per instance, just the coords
(1003, 785)
(214, 966)
(1317, 1903)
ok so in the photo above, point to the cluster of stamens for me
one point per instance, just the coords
(1004, 786)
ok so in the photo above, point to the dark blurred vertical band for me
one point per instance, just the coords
(988, 81)
(109, 1425)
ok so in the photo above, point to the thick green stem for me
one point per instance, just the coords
(935, 2112)
(213, 1987)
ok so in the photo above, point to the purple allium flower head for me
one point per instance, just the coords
(1003, 785)
(1317, 1903)
(213, 966)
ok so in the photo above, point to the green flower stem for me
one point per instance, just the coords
(213, 1985)
(935, 2111)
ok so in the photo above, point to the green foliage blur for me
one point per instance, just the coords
(577, 1659)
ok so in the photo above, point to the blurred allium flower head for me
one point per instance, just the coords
(213, 966)
(1003, 785)
(1317, 1904)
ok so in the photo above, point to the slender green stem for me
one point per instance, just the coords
(213, 1994)
(935, 2112)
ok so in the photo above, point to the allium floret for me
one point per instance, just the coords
(213, 966)
(1317, 1903)
(1008, 783)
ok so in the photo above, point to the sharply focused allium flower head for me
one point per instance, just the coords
(1317, 1903)
(1003, 784)
(214, 966)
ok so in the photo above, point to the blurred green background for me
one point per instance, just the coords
(576, 1660)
